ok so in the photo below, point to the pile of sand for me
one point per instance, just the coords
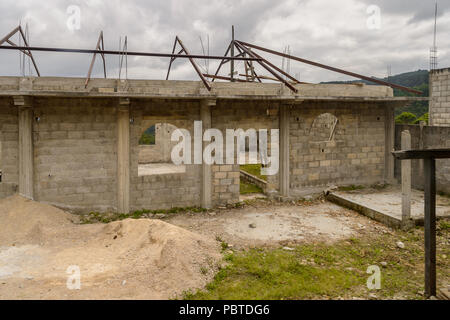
(148, 259)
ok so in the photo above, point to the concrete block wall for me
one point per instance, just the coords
(440, 97)
(75, 149)
(75, 153)
(9, 151)
(226, 184)
(163, 191)
(354, 155)
(426, 137)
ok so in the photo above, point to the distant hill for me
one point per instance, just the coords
(415, 79)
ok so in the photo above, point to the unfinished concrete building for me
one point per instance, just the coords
(78, 148)
(75, 143)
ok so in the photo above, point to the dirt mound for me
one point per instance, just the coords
(22, 220)
(148, 259)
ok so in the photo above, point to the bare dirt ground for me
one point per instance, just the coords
(266, 223)
(150, 258)
(129, 259)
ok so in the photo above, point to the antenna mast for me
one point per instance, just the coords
(433, 50)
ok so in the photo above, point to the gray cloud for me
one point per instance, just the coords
(331, 32)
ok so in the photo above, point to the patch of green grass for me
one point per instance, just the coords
(248, 188)
(96, 217)
(444, 225)
(443, 194)
(379, 186)
(350, 188)
(322, 271)
(254, 169)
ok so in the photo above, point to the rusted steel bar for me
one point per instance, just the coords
(276, 75)
(9, 35)
(129, 53)
(197, 69)
(276, 68)
(237, 55)
(97, 48)
(22, 49)
(13, 44)
(352, 74)
(103, 57)
(223, 61)
(171, 59)
(170, 63)
(232, 54)
(30, 54)
(250, 65)
(223, 78)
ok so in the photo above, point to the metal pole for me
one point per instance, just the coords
(352, 74)
(430, 227)
(232, 54)
(129, 53)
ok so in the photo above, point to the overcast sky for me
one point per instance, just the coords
(344, 34)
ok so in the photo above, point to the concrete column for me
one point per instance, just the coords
(205, 116)
(26, 156)
(389, 160)
(284, 150)
(123, 156)
(406, 179)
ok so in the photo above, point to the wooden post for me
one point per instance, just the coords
(429, 156)
(123, 156)
(430, 226)
(406, 180)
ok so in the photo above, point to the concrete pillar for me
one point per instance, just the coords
(284, 150)
(123, 156)
(26, 156)
(205, 116)
(406, 179)
(389, 160)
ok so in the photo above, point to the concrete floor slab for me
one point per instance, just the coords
(386, 205)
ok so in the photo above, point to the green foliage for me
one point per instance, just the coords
(422, 118)
(96, 217)
(406, 118)
(416, 79)
(351, 187)
(253, 169)
(147, 139)
(248, 188)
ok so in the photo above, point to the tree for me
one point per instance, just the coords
(406, 118)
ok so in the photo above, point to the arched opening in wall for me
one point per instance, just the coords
(148, 137)
(155, 147)
(323, 128)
